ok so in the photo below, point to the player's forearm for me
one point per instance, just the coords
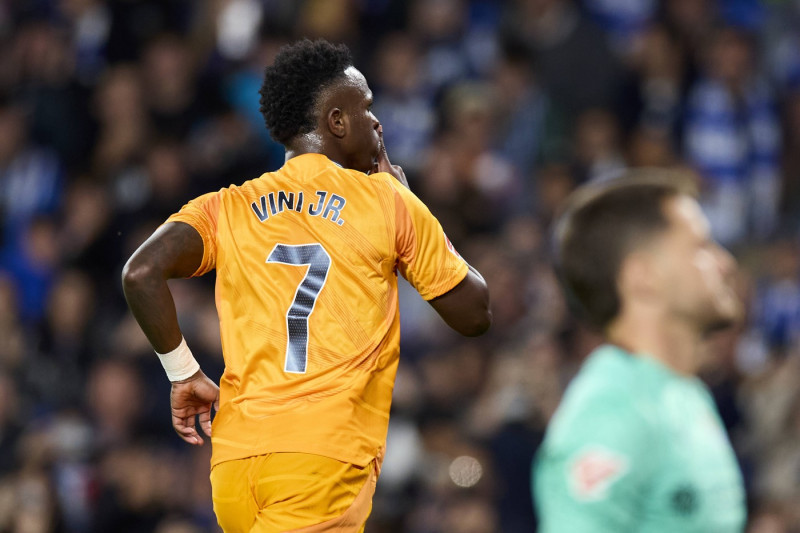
(151, 303)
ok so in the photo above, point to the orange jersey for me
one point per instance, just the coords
(306, 293)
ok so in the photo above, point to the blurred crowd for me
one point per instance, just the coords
(114, 113)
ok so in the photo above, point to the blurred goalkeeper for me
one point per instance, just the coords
(637, 445)
(306, 291)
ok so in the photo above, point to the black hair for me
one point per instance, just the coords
(293, 83)
(600, 224)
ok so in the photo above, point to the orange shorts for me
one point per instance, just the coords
(292, 492)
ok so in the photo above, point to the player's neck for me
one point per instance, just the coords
(312, 143)
(673, 343)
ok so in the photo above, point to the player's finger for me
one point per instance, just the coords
(216, 402)
(184, 427)
(384, 165)
(205, 421)
(191, 437)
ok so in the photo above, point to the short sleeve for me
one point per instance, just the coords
(592, 470)
(426, 258)
(202, 214)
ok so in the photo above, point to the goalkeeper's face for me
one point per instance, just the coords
(698, 274)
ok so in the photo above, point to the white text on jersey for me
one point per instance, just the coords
(327, 205)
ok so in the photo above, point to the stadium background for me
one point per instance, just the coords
(113, 114)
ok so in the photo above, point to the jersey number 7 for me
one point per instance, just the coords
(319, 262)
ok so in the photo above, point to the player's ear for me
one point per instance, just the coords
(638, 278)
(337, 124)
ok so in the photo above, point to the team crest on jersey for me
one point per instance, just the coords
(451, 247)
(593, 470)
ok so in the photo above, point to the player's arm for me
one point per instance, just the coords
(175, 250)
(465, 307)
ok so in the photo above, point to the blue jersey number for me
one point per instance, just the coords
(319, 262)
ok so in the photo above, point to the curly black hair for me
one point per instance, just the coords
(293, 83)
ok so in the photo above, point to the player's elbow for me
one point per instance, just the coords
(480, 316)
(478, 323)
(136, 273)
(474, 318)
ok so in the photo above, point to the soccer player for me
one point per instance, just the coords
(637, 444)
(307, 260)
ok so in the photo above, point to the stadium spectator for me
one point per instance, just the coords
(559, 34)
(732, 135)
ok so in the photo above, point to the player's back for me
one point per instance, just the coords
(306, 293)
(306, 267)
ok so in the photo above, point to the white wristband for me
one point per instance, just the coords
(179, 363)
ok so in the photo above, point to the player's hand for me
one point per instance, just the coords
(382, 164)
(190, 398)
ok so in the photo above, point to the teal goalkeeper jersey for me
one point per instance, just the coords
(636, 448)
